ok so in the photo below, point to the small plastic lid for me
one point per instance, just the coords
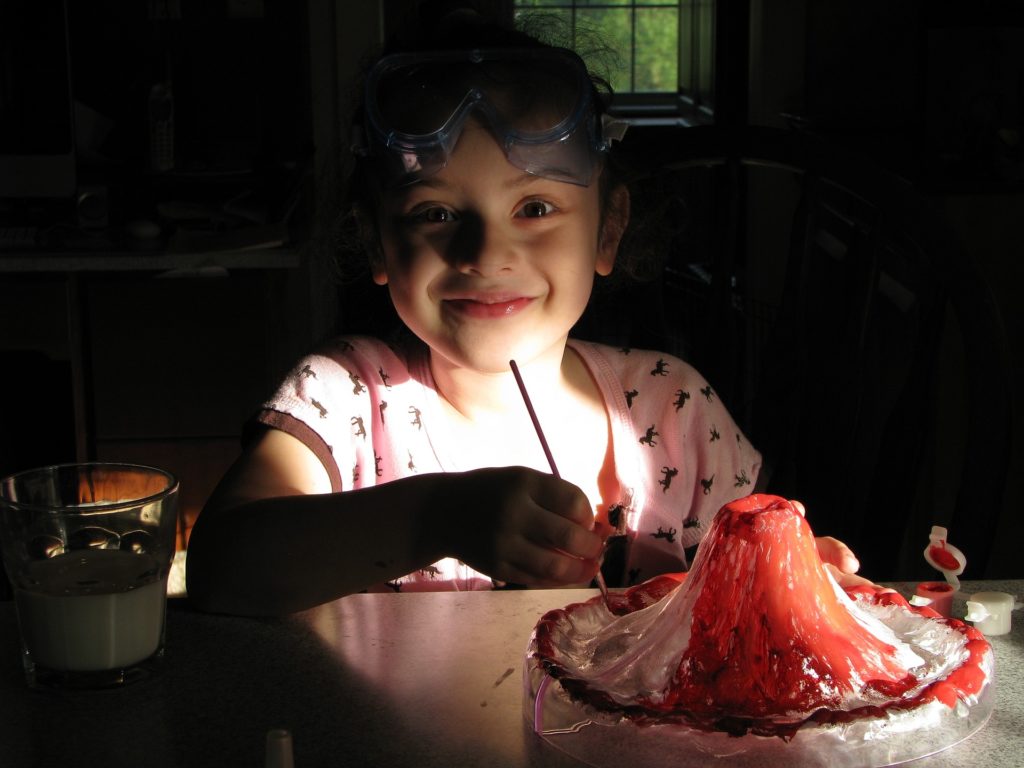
(944, 557)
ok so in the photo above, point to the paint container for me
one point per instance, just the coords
(938, 594)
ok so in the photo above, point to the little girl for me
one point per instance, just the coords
(488, 203)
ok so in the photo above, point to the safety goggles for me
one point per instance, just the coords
(539, 105)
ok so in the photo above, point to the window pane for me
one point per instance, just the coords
(603, 3)
(613, 27)
(561, 16)
(657, 44)
(648, 48)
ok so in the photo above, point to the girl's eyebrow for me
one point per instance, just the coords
(522, 179)
(525, 179)
(402, 195)
(431, 182)
(436, 183)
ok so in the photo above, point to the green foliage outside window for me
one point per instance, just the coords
(644, 36)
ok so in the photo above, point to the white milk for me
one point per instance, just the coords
(92, 610)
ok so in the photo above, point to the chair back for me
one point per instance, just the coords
(835, 313)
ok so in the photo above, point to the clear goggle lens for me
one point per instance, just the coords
(537, 103)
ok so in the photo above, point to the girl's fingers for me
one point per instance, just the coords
(552, 532)
(563, 499)
(551, 569)
(522, 561)
(552, 552)
(836, 553)
(846, 579)
(541, 532)
(562, 519)
(832, 551)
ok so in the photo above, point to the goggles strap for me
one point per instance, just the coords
(612, 129)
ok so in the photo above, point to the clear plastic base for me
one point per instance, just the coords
(607, 741)
(608, 737)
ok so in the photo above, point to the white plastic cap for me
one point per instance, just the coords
(990, 612)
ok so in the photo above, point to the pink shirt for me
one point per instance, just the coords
(368, 412)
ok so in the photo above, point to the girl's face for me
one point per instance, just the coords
(486, 263)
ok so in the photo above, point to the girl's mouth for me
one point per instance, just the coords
(487, 309)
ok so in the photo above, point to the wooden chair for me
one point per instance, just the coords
(839, 345)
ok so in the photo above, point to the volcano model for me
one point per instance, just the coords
(759, 638)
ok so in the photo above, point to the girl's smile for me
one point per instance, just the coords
(486, 308)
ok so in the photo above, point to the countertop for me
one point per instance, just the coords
(429, 679)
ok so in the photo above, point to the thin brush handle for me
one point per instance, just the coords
(534, 419)
(551, 461)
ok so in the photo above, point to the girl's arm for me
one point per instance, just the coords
(273, 539)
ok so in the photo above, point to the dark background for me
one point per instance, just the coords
(122, 342)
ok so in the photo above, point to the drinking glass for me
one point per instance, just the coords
(87, 549)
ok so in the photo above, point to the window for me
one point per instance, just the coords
(665, 63)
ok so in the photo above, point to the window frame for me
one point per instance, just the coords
(693, 102)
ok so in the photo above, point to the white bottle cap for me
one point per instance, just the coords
(990, 612)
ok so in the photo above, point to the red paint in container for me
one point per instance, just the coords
(939, 594)
(944, 558)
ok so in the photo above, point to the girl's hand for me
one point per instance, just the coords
(522, 526)
(833, 552)
(840, 562)
(838, 558)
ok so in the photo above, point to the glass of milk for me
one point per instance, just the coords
(87, 549)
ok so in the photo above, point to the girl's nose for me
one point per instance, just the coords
(482, 249)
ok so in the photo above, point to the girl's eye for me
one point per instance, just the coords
(434, 214)
(535, 209)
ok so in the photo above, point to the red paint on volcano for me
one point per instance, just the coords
(770, 636)
(771, 645)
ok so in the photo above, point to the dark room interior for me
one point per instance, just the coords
(826, 221)
(183, 260)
